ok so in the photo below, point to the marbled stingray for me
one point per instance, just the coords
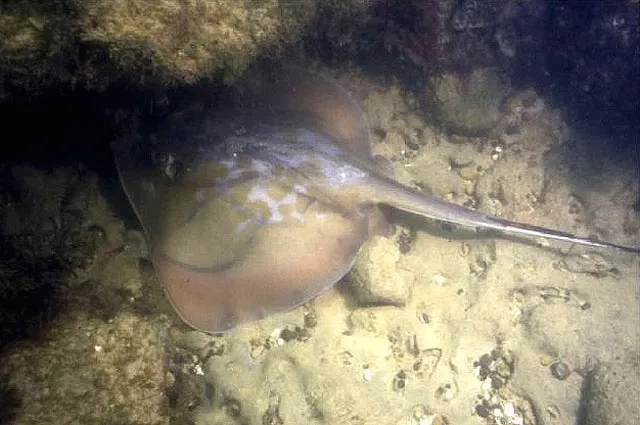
(250, 211)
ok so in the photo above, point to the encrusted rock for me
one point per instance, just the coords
(612, 394)
(375, 279)
(471, 106)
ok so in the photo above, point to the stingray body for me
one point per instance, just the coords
(252, 211)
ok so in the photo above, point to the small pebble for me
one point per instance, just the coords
(509, 410)
(482, 411)
(553, 411)
(366, 373)
(503, 370)
(546, 360)
(400, 381)
(560, 370)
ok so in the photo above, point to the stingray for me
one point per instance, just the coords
(254, 209)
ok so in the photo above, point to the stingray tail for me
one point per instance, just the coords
(415, 202)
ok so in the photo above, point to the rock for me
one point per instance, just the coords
(471, 106)
(375, 278)
(612, 394)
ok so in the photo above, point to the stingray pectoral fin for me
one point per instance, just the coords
(284, 266)
(296, 89)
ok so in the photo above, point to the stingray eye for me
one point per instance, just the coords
(171, 167)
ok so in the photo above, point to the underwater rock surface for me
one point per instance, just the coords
(463, 328)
